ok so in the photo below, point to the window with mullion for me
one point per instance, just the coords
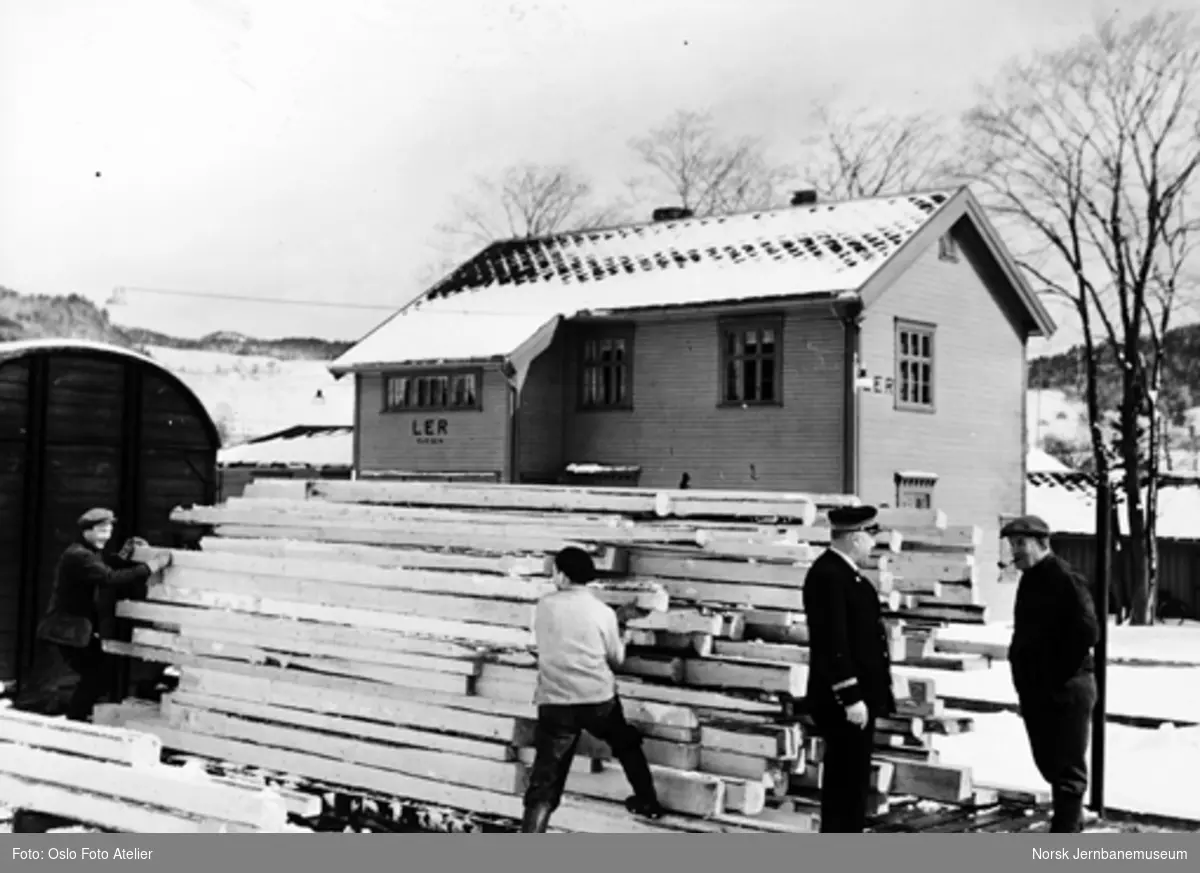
(605, 372)
(433, 392)
(914, 366)
(750, 363)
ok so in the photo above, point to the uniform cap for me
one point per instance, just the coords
(95, 516)
(847, 519)
(1026, 526)
(576, 564)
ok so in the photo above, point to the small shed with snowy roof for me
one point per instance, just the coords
(823, 346)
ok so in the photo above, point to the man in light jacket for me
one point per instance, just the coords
(579, 642)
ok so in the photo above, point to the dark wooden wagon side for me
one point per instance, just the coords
(85, 424)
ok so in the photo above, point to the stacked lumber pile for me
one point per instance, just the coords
(113, 779)
(377, 636)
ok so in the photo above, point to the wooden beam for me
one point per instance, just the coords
(107, 812)
(504, 637)
(318, 592)
(659, 565)
(379, 556)
(773, 676)
(735, 594)
(79, 738)
(161, 785)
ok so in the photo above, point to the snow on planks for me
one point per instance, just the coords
(376, 635)
(113, 778)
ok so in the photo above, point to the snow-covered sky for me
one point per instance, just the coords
(306, 149)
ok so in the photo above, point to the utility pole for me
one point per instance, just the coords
(1104, 534)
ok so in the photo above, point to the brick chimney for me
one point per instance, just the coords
(671, 213)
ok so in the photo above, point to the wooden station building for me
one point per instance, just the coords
(874, 346)
(85, 424)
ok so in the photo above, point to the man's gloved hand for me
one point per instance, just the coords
(131, 545)
(159, 561)
(627, 611)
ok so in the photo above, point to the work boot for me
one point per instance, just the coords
(1068, 814)
(536, 819)
(645, 808)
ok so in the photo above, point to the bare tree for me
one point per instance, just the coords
(704, 172)
(525, 202)
(860, 153)
(1092, 152)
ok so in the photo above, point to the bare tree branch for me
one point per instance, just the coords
(1092, 153)
(858, 154)
(700, 171)
(526, 201)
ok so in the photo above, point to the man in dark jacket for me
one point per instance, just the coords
(73, 620)
(849, 678)
(1054, 630)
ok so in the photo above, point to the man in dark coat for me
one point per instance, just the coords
(849, 678)
(1054, 630)
(74, 619)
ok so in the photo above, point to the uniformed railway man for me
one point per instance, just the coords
(78, 611)
(849, 679)
(1054, 630)
(579, 642)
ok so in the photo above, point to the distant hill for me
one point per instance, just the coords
(1181, 375)
(35, 316)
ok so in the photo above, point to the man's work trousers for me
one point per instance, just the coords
(1059, 725)
(95, 670)
(845, 772)
(556, 738)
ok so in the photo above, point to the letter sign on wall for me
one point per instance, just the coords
(430, 431)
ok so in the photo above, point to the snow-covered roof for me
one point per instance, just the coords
(302, 445)
(489, 306)
(1067, 503)
(1039, 461)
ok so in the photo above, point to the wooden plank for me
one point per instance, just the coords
(183, 710)
(417, 530)
(629, 689)
(724, 763)
(189, 652)
(934, 567)
(952, 538)
(729, 738)
(159, 785)
(654, 667)
(729, 545)
(212, 642)
(736, 594)
(80, 738)
(761, 651)
(746, 797)
(282, 689)
(318, 592)
(347, 573)
(652, 564)
(107, 812)
(379, 556)
(526, 497)
(688, 504)
(367, 642)
(770, 676)
(505, 637)
(681, 621)
(942, 782)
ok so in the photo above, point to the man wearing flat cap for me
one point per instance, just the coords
(85, 575)
(579, 643)
(849, 671)
(1054, 629)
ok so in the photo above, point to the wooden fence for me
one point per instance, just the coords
(1178, 565)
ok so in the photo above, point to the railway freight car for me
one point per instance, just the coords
(85, 424)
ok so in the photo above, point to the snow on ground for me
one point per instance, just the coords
(1151, 692)
(1144, 770)
(250, 396)
(1160, 643)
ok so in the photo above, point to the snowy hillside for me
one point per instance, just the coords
(249, 396)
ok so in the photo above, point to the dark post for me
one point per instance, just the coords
(1104, 534)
